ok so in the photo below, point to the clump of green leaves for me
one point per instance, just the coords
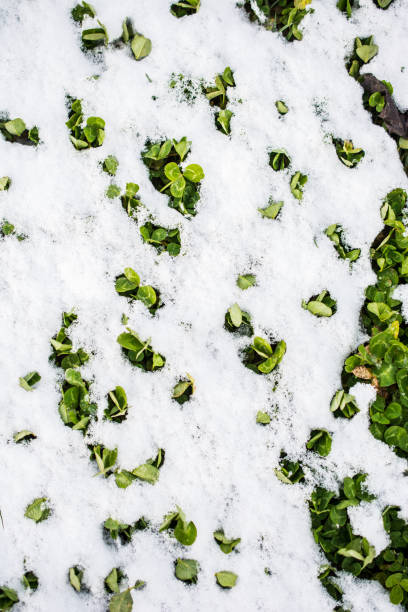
(320, 442)
(75, 408)
(279, 159)
(92, 135)
(238, 321)
(140, 45)
(225, 579)
(289, 472)
(184, 8)
(117, 409)
(5, 182)
(163, 239)
(244, 281)
(297, 183)
(105, 459)
(30, 580)
(282, 16)
(347, 153)
(185, 532)
(75, 576)
(8, 229)
(38, 510)
(344, 405)
(187, 570)
(346, 6)
(147, 472)
(140, 353)
(110, 165)
(281, 107)
(15, 130)
(115, 530)
(62, 355)
(336, 234)
(364, 51)
(181, 185)
(82, 10)
(227, 545)
(129, 200)
(8, 597)
(183, 390)
(377, 101)
(29, 381)
(263, 357)
(128, 285)
(321, 305)
(113, 580)
(217, 96)
(272, 210)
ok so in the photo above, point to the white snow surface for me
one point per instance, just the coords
(219, 462)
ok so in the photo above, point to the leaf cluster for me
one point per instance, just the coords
(321, 305)
(184, 8)
(92, 135)
(117, 409)
(282, 16)
(347, 153)
(114, 530)
(140, 353)
(15, 130)
(128, 285)
(289, 472)
(182, 186)
(161, 238)
(262, 357)
(185, 532)
(238, 321)
(336, 234)
(183, 390)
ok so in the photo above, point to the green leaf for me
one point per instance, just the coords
(263, 418)
(367, 52)
(113, 191)
(23, 436)
(245, 281)
(75, 578)
(226, 580)
(186, 570)
(172, 171)
(271, 211)
(129, 341)
(5, 183)
(235, 314)
(281, 107)
(110, 165)
(223, 118)
(319, 309)
(29, 381)
(74, 378)
(226, 545)
(147, 295)
(141, 46)
(132, 276)
(194, 173)
(396, 595)
(148, 473)
(262, 347)
(38, 510)
(185, 533)
(121, 602)
(15, 127)
(180, 388)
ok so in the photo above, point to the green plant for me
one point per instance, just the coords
(75, 408)
(281, 107)
(92, 135)
(24, 436)
(29, 381)
(114, 530)
(8, 229)
(279, 159)
(105, 459)
(185, 7)
(347, 153)
(321, 305)
(30, 580)
(320, 442)
(272, 210)
(15, 130)
(297, 183)
(263, 418)
(147, 472)
(128, 285)
(185, 533)
(364, 51)
(182, 186)
(244, 281)
(8, 598)
(289, 472)
(336, 234)
(38, 510)
(113, 580)
(227, 545)
(80, 11)
(344, 405)
(238, 321)
(5, 182)
(110, 165)
(225, 579)
(186, 570)
(163, 239)
(75, 576)
(62, 355)
(217, 96)
(117, 409)
(377, 101)
(139, 352)
(262, 357)
(283, 16)
(183, 390)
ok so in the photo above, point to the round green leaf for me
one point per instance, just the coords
(147, 295)
(141, 46)
(318, 309)
(172, 171)
(226, 580)
(236, 315)
(15, 127)
(194, 173)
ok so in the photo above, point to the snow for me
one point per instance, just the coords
(219, 462)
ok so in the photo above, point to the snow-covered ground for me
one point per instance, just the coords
(219, 463)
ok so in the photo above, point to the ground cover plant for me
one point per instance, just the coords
(181, 185)
(144, 464)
